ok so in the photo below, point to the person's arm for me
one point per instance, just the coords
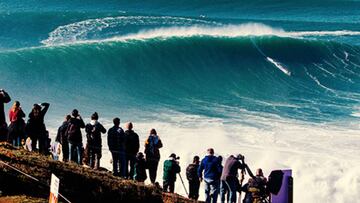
(6, 98)
(45, 109)
(81, 122)
(102, 129)
(159, 144)
(177, 168)
(200, 170)
(249, 171)
(110, 140)
(21, 114)
(137, 142)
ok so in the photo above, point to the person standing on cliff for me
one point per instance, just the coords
(94, 141)
(4, 98)
(17, 124)
(132, 148)
(35, 127)
(73, 133)
(116, 143)
(152, 146)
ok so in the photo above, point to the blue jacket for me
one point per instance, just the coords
(211, 167)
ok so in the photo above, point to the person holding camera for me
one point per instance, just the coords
(73, 133)
(229, 177)
(4, 98)
(171, 168)
(35, 127)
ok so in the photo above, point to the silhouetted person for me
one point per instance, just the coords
(152, 146)
(73, 133)
(193, 178)
(17, 124)
(94, 142)
(116, 142)
(4, 98)
(132, 148)
(171, 168)
(62, 138)
(140, 168)
(35, 127)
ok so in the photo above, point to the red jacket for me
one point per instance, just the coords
(16, 115)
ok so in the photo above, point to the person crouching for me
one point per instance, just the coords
(171, 168)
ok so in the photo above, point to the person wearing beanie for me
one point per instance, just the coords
(73, 133)
(171, 168)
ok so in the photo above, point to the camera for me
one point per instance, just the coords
(177, 158)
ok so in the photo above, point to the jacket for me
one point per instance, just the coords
(231, 167)
(140, 170)
(211, 167)
(61, 133)
(116, 139)
(152, 146)
(4, 98)
(35, 125)
(73, 131)
(93, 133)
(171, 168)
(132, 144)
(192, 173)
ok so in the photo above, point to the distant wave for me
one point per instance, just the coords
(111, 29)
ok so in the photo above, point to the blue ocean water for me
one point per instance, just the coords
(298, 60)
(278, 81)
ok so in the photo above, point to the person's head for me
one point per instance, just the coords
(67, 117)
(196, 160)
(153, 132)
(129, 126)
(16, 105)
(36, 109)
(239, 157)
(172, 155)
(220, 159)
(210, 151)
(95, 116)
(75, 113)
(116, 121)
(259, 172)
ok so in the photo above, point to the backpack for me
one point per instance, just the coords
(191, 172)
(71, 130)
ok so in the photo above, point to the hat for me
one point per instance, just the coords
(173, 155)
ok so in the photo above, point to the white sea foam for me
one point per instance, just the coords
(324, 158)
(167, 26)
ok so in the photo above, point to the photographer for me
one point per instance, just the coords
(4, 98)
(229, 177)
(35, 127)
(171, 168)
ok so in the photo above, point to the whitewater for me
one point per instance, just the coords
(281, 88)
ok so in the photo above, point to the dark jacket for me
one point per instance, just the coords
(35, 126)
(132, 144)
(231, 167)
(211, 167)
(140, 170)
(192, 173)
(73, 132)
(152, 146)
(61, 134)
(4, 98)
(116, 139)
(93, 134)
(171, 168)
